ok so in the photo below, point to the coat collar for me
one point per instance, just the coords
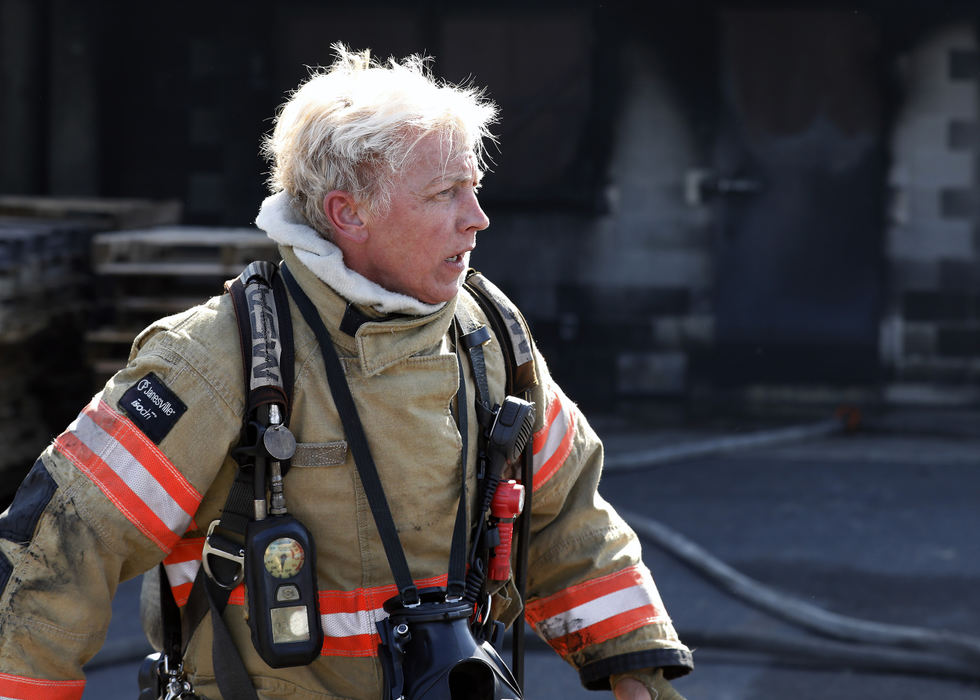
(380, 342)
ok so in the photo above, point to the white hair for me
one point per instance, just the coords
(353, 125)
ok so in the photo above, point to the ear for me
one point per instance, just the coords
(341, 210)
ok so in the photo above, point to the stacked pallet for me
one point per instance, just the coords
(105, 214)
(143, 275)
(45, 282)
(44, 273)
(46, 294)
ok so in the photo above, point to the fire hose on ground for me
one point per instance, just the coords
(847, 642)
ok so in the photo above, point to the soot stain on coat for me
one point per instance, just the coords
(71, 551)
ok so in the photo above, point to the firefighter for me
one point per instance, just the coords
(375, 169)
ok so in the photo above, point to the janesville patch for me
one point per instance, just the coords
(152, 406)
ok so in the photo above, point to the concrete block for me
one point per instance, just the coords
(626, 302)
(939, 306)
(930, 85)
(683, 332)
(650, 266)
(919, 339)
(930, 394)
(937, 167)
(959, 276)
(958, 203)
(964, 64)
(651, 373)
(890, 349)
(958, 340)
(932, 241)
(922, 204)
(914, 274)
(918, 129)
(963, 135)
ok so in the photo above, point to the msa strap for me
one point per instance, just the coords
(510, 327)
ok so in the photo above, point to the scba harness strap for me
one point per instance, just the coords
(268, 370)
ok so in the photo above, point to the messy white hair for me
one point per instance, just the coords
(352, 126)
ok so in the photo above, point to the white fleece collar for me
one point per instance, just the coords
(283, 224)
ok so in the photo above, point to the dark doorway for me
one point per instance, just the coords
(800, 164)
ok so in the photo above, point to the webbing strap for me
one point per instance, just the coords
(169, 616)
(358, 444)
(229, 669)
(456, 585)
(523, 538)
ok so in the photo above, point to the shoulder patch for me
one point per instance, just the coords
(152, 406)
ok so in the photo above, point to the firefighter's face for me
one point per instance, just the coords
(420, 245)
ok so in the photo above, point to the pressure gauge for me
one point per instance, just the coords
(284, 557)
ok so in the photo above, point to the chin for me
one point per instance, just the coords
(442, 295)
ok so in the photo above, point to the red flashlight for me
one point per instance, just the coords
(508, 501)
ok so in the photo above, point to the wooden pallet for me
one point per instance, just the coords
(44, 273)
(147, 274)
(108, 213)
(180, 250)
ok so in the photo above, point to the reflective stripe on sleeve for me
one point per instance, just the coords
(553, 442)
(597, 610)
(182, 565)
(131, 471)
(23, 688)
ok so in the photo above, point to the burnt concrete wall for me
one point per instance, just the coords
(931, 328)
(620, 300)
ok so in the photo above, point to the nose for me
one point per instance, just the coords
(473, 217)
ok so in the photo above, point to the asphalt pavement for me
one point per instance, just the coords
(803, 540)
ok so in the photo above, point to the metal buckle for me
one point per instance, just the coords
(208, 550)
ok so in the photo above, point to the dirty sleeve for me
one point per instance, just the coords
(589, 596)
(111, 496)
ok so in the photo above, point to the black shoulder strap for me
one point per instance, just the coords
(267, 378)
(510, 327)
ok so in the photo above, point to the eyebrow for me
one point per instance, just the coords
(458, 176)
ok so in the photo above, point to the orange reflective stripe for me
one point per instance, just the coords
(349, 618)
(23, 688)
(605, 629)
(597, 610)
(132, 473)
(182, 565)
(553, 442)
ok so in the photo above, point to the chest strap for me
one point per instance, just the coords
(367, 469)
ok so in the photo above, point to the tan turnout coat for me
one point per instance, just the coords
(106, 502)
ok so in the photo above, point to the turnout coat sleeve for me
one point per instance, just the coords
(590, 597)
(107, 499)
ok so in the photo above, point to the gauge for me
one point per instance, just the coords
(284, 557)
